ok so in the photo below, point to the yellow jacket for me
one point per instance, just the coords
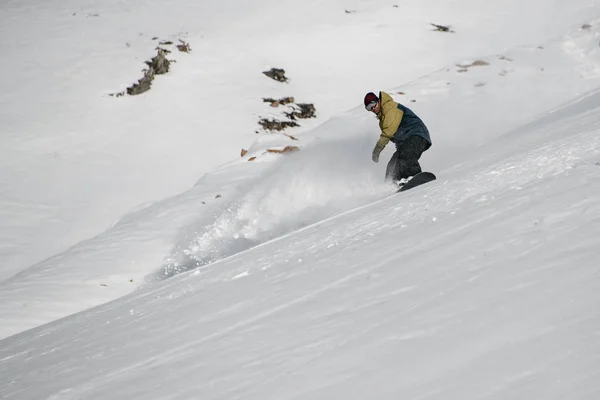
(390, 117)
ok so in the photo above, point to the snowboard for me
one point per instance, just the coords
(418, 179)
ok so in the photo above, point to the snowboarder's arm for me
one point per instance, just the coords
(376, 151)
(389, 125)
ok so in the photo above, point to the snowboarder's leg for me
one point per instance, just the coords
(391, 168)
(409, 153)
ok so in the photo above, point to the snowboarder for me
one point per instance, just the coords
(408, 132)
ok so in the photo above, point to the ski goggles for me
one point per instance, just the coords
(371, 105)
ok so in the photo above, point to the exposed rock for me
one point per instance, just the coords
(276, 73)
(303, 111)
(143, 85)
(184, 47)
(277, 103)
(159, 63)
(442, 28)
(276, 125)
(286, 149)
(478, 63)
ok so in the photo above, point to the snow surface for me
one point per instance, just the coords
(141, 257)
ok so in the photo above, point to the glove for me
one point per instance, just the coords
(375, 155)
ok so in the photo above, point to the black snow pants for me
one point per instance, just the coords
(405, 161)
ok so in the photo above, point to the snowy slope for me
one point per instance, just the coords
(480, 285)
(299, 275)
(247, 203)
(75, 160)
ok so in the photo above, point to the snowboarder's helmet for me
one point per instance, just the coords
(370, 98)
